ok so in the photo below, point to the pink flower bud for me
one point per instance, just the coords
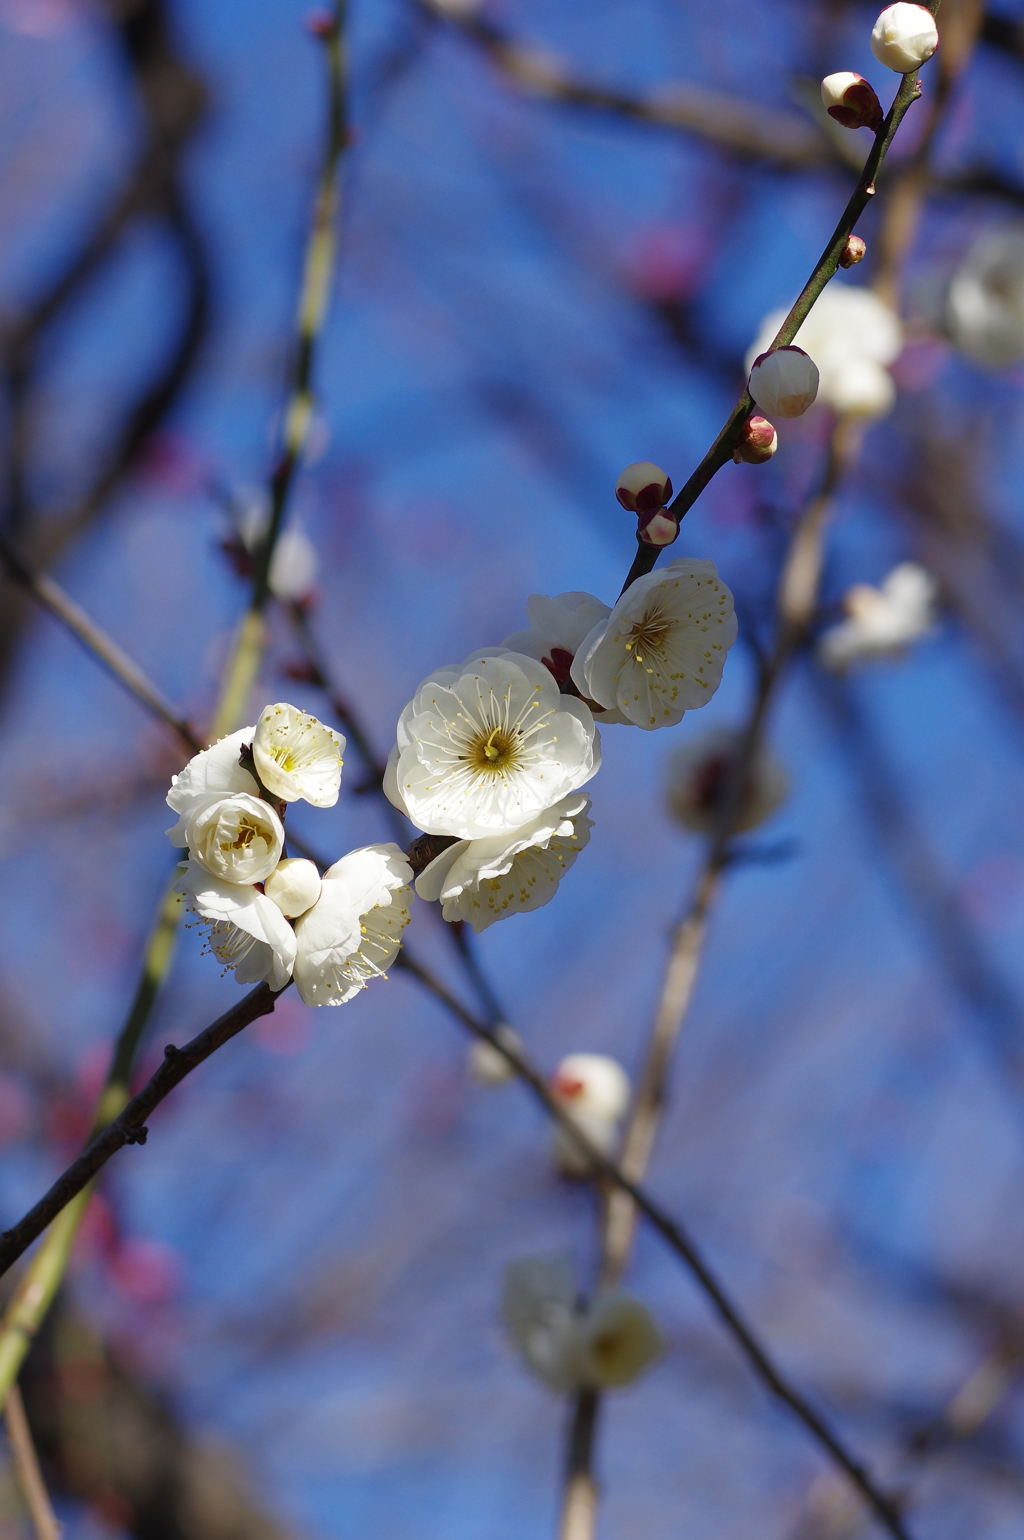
(784, 382)
(851, 100)
(904, 37)
(853, 252)
(757, 442)
(658, 528)
(643, 487)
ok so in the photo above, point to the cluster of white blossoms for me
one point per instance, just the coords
(268, 916)
(491, 754)
(600, 1346)
(881, 622)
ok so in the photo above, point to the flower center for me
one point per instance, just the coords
(244, 836)
(282, 755)
(494, 751)
(648, 635)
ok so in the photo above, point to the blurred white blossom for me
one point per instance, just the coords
(485, 746)
(294, 564)
(699, 778)
(297, 756)
(662, 649)
(486, 1065)
(881, 621)
(852, 336)
(488, 879)
(354, 930)
(985, 303)
(594, 1089)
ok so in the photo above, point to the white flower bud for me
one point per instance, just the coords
(294, 886)
(595, 1090)
(643, 487)
(904, 37)
(851, 100)
(486, 1065)
(784, 383)
(237, 838)
(619, 1341)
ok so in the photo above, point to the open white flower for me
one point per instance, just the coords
(484, 747)
(852, 336)
(246, 931)
(699, 775)
(595, 1090)
(354, 930)
(238, 838)
(604, 1345)
(882, 621)
(662, 650)
(213, 772)
(297, 756)
(486, 880)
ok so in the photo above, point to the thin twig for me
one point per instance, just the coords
(26, 1463)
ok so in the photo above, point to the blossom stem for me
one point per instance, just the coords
(824, 269)
(129, 1128)
(30, 1477)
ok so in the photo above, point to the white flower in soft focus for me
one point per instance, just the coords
(486, 1065)
(486, 746)
(784, 383)
(486, 880)
(297, 756)
(246, 931)
(904, 37)
(985, 304)
(595, 1090)
(604, 1345)
(698, 782)
(662, 649)
(238, 838)
(539, 1307)
(849, 330)
(294, 886)
(882, 621)
(354, 930)
(294, 564)
(619, 1341)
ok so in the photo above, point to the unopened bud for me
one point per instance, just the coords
(658, 528)
(643, 487)
(853, 252)
(757, 442)
(851, 100)
(784, 383)
(294, 886)
(904, 37)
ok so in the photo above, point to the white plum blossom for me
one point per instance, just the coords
(852, 335)
(294, 564)
(851, 100)
(603, 1345)
(238, 838)
(213, 772)
(488, 879)
(354, 930)
(643, 487)
(882, 621)
(904, 37)
(294, 886)
(662, 649)
(595, 1090)
(246, 931)
(484, 747)
(784, 382)
(699, 778)
(985, 303)
(297, 756)
(557, 627)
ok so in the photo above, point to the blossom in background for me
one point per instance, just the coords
(354, 930)
(294, 564)
(486, 1065)
(699, 779)
(484, 747)
(296, 756)
(852, 336)
(904, 37)
(662, 649)
(783, 382)
(246, 931)
(985, 302)
(238, 838)
(488, 879)
(594, 1089)
(881, 621)
(602, 1346)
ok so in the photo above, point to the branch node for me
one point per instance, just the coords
(135, 1133)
